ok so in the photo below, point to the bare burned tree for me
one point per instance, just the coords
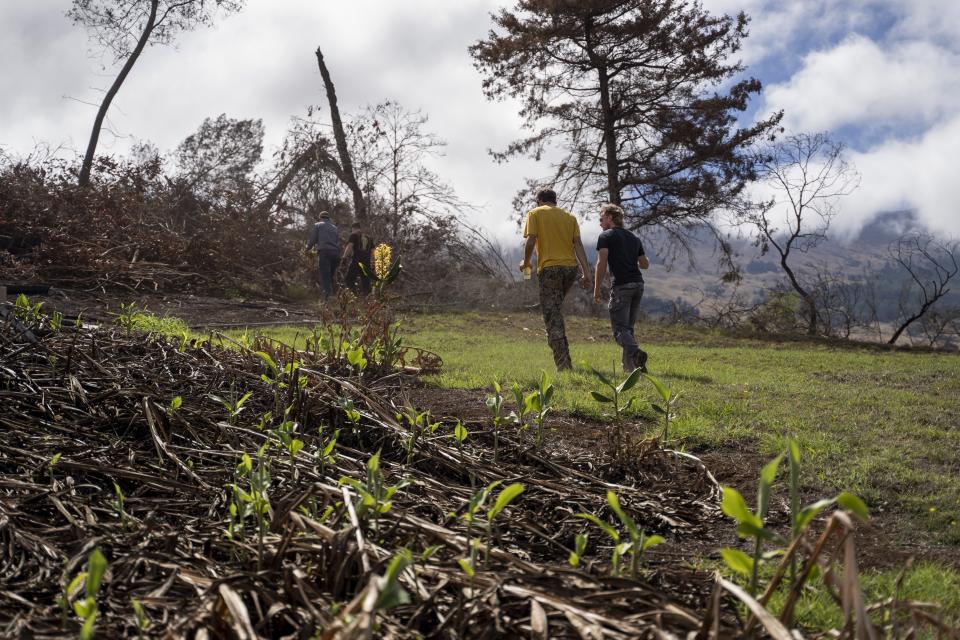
(395, 164)
(809, 175)
(124, 28)
(931, 265)
(941, 327)
(639, 97)
(346, 174)
(841, 303)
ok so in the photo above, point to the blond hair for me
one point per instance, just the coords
(616, 213)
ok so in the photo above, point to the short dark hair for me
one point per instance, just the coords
(548, 196)
(357, 225)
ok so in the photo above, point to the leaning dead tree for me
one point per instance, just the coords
(315, 154)
(346, 173)
(931, 265)
(124, 28)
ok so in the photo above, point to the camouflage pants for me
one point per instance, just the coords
(555, 282)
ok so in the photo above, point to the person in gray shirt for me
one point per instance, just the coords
(325, 239)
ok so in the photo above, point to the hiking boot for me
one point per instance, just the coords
(561, 354)
(640, 360)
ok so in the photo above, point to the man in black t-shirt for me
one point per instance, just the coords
(358, 252)
(623, 252)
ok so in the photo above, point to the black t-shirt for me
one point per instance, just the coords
(623, 249)
(362, 247)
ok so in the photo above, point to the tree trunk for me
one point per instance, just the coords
(807, 298)
(606, 112)
(85, 168)
(609, 138)
(359, 207)
(911, 320)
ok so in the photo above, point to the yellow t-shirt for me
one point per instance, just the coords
(555, 230)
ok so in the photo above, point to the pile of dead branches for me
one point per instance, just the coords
(261, 492)
(136, 229)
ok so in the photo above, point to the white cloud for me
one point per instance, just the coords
(937, 20)
(917, 174)
(859, 83)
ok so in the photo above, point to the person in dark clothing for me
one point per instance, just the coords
(325, 239)
(623, 252)
(359, 251)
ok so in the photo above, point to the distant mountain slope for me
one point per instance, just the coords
(866, 257)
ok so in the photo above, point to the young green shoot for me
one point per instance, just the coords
(523, 408)
(615, 397)
(504, 498)
(541, 402)
(51, 464)
(86, 607)
(118, 504)
(376, 499)
(233, 404)
(460, 435)
(143, 622)
(579, 549)
(420, 426)
(495, 405)
(665, 408)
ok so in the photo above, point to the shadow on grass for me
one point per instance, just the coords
(682, 376)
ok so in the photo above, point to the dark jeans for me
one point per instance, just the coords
(555, 282)
(624, 309)
(327, 270)
(355, 275)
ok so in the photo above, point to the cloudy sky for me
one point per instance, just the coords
(883, 76)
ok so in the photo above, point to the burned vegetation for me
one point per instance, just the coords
(254, 491)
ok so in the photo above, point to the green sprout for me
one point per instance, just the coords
(253, 503)
(127, 318)
(233, 404)
(540, 402)
(420, 426)
(118, 504)
(52, 463)
(143, 622)
(615, 397)
(504, 498)
(639, 542)
(495, 405)
(666, 407)
(86, 607)
(579, 549)
(750, 524)
(376, 498)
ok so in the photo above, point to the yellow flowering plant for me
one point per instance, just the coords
(385, 268)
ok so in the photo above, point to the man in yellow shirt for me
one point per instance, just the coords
(556, 236)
